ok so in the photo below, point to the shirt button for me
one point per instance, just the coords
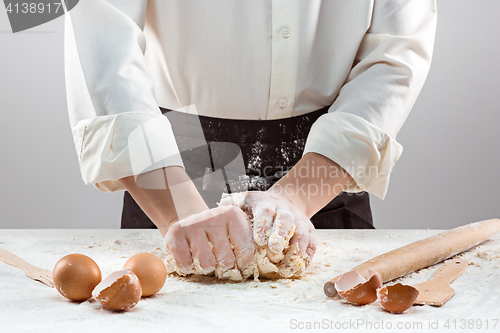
(282, 102)
(285, 32)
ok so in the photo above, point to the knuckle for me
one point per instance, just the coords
(312, 247)
(266, 208)
(242, 223)
(284, 215)
(263, 204)
(168, 245)
(301, 237)
(234, 211)
(266, 211)
(175, 230)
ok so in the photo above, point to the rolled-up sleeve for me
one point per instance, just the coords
(359, 131)
(117, 127)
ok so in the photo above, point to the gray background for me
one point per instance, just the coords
(447, 176)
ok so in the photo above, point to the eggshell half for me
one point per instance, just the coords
(75, 276)
(356, 289)
(397, 298)
(121, 290)
(150, 270)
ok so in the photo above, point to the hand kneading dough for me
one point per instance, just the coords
(267, 264)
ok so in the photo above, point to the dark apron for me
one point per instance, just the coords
(266, 150)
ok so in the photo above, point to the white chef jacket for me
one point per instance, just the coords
(246, 59)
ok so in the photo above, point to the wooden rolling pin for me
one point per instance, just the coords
(424, 253)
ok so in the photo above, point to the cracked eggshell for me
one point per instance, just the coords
(356, 289)
(150, 270)
(119, 291)
(75, 276)
(397, 298)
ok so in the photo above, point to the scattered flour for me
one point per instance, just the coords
(208, 304)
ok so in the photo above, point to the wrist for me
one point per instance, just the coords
(313, 182)
(166, 195)
(185, 197)
(287, 190)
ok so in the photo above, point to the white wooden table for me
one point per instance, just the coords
(206, 304)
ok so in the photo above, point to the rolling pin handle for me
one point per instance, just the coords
(329, 289)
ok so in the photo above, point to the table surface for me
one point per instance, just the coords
(200, 302)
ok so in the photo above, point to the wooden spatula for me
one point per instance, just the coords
(437, 290)
(35, 273)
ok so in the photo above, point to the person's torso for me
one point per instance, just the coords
(252, 59)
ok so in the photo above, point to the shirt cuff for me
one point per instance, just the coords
(120, 145)
(363, 150)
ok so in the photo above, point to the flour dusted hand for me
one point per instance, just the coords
(216, 241)
(284, 240)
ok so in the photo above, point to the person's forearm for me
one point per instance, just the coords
(166, 195)
(312, 183)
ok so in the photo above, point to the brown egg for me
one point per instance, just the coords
(397, 298)
(121, 290)
(75, 276)
(150, 270)
(354, 288)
